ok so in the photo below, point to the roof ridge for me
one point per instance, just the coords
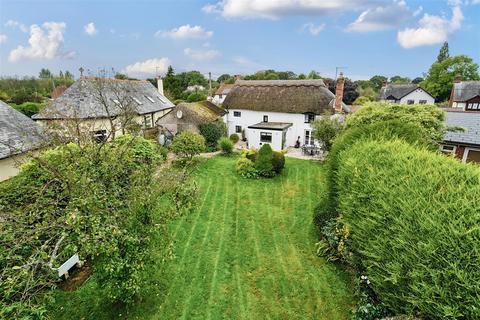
(111, 79)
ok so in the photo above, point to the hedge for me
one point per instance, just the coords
(413, 219)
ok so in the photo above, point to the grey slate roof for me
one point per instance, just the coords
(18, 133)
(466, 90)
(81, 99)
(397, 91)
(290, 96)
(470, 121)
(271, 125)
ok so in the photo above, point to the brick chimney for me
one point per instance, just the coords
(458, 79)
(238, 77)
(339, 93)
(160, 85)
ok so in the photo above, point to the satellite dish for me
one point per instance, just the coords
(179, 114)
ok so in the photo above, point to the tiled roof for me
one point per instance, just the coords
(397, 91)
(18, 133)
(466, 90)
(224, 89)
(470, 121)
(82, 100)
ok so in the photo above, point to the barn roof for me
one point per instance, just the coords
(290, 96)
(466, 90)
(92, 97)
(18, 133)
(398, 91)
(469, 121)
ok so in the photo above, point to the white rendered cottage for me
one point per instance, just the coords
(279, 112)
(405, 94)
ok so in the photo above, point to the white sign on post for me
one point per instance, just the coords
(67, 265)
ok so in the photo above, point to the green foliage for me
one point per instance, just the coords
(225, 145)
(278, 161)
(176, 84)
(412, 221)
(441, 75)
(444, 53)
(361, 100)
(378, 82)
(212, 132)
(263, 163)
(94, 200)
(234, 137)
(250, 154)
(246, 168)
(326, 128)
(196, 96)
(429, 117)
(400, 80)
(188, 144)
(28, 108)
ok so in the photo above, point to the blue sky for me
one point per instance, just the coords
(389, 37)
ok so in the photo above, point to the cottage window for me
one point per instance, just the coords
(410, 101)
(471, 155)
(265, 118)
(423, 101)
(100, 136)
(147, 121)
(472, 106)
(237, 114)
(448, 149)
(309, 117)
(266, 137)
(220, 96)
(238, 129)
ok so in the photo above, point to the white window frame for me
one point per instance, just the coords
(466, 151)
(267, 134)
(238, 129)
(453, 151)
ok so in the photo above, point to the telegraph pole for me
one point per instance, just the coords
(210, 84)
(338, 69)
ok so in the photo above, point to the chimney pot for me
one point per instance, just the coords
(339, 93)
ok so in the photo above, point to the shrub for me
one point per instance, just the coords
(250, 154)
(413, 221)
(263, 163)
(188, 144)
(212, 132)
(234, 137)
(326, 129)
(225, 145)
(246, 168)
(278, 161)
(163, 152)
(196, 96)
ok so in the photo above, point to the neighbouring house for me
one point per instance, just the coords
(222, 93)
(465, 145)
(105, 107)
(58, 91)
(465, 95)
(405, 94)
(280, 112)
(18, 135)
(188, 116)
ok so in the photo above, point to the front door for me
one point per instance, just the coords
(308, 137)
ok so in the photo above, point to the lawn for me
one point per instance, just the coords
(248, 252)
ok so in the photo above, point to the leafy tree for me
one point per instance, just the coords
(326, 129)
(444, 52)
(417, 80)
(378, 81)
(188, 144)
(196, 96)
(349, 90)
(441, 75)
(224, 77)
(68, 75)
(400, 80)
(212, 132)
(314, 75)
(263, 163)
(121, 76)
(45, 74)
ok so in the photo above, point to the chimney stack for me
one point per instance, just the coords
(339, 93)
(458, 79)
(160, 85)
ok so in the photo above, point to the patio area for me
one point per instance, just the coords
(300, 154)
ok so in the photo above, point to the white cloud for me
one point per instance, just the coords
(274, 9)
(90, 29)
(41, 45)
(3, 38)
(432, 30)
(201, 54)
(186, 32)
(313, 29)
(16, 24)
(150, 67)
(380, 18)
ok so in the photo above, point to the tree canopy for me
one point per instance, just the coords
(444, 53)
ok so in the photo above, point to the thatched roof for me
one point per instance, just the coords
(397, 91)
(466, 90)
(193, 113)
(82, 100)
(290, 96)
(18, 133)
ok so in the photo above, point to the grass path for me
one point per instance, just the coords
(248, 251)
